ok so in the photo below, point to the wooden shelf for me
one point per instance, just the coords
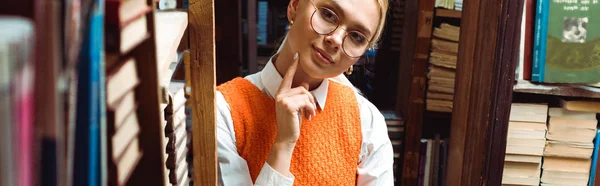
(440, 12)
(170, 28)
(567, 90)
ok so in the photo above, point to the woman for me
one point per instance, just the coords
(292, 124)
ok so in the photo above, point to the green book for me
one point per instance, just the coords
(569, 46)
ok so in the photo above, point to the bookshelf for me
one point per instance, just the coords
(441, 12)
(482, 93)
(567, 90)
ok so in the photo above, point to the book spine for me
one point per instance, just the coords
(529, 32)
(535, 72)
(544, 39)
(593, 169)
(103, 175)
(422, 161)
(96, 56)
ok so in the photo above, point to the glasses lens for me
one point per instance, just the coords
(355, 44)
(324, 21)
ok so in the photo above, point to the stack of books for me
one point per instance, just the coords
(177, 134)
(525, 144)
(442, 69)
(122, 121)
(395, 126)
(458, 5)
(447, 4)
(397, 25)
(568, 153)
(126, 28)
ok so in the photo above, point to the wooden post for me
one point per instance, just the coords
(416, 97)
(202, 77)
(485, 72)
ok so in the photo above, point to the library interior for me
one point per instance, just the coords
(419, 92)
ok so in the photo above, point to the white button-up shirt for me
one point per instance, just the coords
(376, 154)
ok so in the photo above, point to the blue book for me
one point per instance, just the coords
(87, 170)
(594, 159)
(567, 42)
(539, 47)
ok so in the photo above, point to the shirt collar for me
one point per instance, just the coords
(271, 79)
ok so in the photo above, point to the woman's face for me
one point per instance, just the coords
(322, 56)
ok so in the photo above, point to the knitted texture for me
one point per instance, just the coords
(328, 148)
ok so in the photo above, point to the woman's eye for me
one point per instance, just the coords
(356, 37)
(328, 15)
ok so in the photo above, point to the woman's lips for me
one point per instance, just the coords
(323, 57)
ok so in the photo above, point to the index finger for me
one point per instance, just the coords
(286, 83)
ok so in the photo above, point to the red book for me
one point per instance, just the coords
(529, 23)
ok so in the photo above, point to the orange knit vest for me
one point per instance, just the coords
(328, 149)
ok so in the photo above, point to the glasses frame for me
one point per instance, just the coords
(333, 30)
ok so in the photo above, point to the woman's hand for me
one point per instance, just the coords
(290, 103)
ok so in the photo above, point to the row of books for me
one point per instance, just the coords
(449, 4)
(559, 42)
(442, 68)
(51, 89)
(395, 126)
(70, 91)
(552, 146)
(433, 162)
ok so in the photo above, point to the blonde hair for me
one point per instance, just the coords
(383, 7)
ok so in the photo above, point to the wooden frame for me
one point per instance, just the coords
(483, 91)
(203, 81)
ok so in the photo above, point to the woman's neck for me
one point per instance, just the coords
(283, 60)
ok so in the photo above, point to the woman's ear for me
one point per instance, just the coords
(292, 10)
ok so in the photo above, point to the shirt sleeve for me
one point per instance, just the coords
(377, 156)
(233, 169)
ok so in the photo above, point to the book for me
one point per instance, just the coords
(528, 37)
(443, 59)
(439, 105)
(594, 169)
(518, 173)
(526, 130)
(568, 149)
(567, 43)
(123, 37)
(571, 130)
(440, 96)
(528, 112)
(566, 171)
(121, 80)
(87, 170)
(561, 112)
(581, 105)
(17, 91)
(441, 72)
(444, 46)
(119, 112)
(523, 158)
(525, 146)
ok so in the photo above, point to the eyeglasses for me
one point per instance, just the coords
(324, 21)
